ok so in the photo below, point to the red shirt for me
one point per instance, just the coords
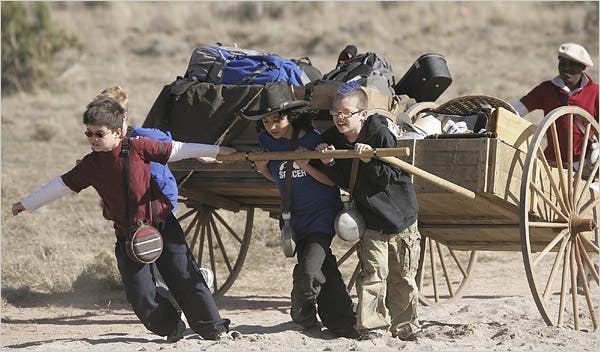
(546, 96)
(104, 172)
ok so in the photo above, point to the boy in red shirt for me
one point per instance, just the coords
(572, 86)
(103, 170)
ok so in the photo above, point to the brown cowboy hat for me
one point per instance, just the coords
(276, 98)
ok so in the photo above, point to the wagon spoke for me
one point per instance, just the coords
(588, 182)
(553, 184)
(574, 299)
(189, 228)
(458, 264)
(211, 253)
(354, 277)
(557, 259)
(543, 196)
(586, 287)
(588, 261)
(563, 285)
(582, 156)
(231, 231)
(186, 215)
(433, 271)
(570, 162)
(196, 232)
(443, 263)
(550, 245)
(559, 167)
(221, 246)
(548, 224)
(201, 244)
(589, 205)
(590, 244)
(348, 254)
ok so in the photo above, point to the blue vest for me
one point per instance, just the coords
(161, 173)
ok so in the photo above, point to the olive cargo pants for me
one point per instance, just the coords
(387, 289)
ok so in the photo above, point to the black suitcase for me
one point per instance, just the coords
(426, 79)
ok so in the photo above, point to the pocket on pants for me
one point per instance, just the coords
(409, 245)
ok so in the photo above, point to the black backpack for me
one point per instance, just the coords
(369, 70)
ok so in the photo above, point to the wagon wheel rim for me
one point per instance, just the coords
(443, 273)
(219, 240)
(558, 220)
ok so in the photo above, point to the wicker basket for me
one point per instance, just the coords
(472, 103)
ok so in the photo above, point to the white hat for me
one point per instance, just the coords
(429, 124)
(575, 52)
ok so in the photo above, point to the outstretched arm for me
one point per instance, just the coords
(50, 192)
(182, 151)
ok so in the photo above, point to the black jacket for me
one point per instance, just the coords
(383, 193)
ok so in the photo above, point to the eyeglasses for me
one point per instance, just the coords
(97, 134)
(344, 115)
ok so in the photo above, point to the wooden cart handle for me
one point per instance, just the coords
(336, 154)
(429, 177)
(385, 154)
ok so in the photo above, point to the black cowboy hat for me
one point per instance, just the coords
(275, 99)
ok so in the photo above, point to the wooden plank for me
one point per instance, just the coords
(460, 161)
(505, 172)
(512, 129)
(212, 199)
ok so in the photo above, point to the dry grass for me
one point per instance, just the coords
(500, 49)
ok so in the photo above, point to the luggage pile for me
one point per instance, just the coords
(205, 104)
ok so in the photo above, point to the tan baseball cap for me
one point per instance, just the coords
(575, 52)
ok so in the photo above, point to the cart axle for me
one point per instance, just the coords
(579, 224)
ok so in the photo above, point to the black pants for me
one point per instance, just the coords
(181, 274)
(317, 279)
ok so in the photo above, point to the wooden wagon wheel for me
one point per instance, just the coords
(444, 284)
(558, 220)
(219, 240)
(443, 272)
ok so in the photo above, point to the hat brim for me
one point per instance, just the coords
(289, 106)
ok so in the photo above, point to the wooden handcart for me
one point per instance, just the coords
(497, 192)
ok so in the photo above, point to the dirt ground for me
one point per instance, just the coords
(497, 312)
(502, 49)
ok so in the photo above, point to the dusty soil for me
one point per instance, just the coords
(496, 312)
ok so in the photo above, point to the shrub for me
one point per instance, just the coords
(29, 44)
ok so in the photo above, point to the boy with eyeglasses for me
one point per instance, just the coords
(103, 170)
(389, 249)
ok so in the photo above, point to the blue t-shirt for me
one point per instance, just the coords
(314, 205)
(160, 173)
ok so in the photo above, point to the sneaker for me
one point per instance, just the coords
(208, 277)
(370, 335)
(177, 334)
